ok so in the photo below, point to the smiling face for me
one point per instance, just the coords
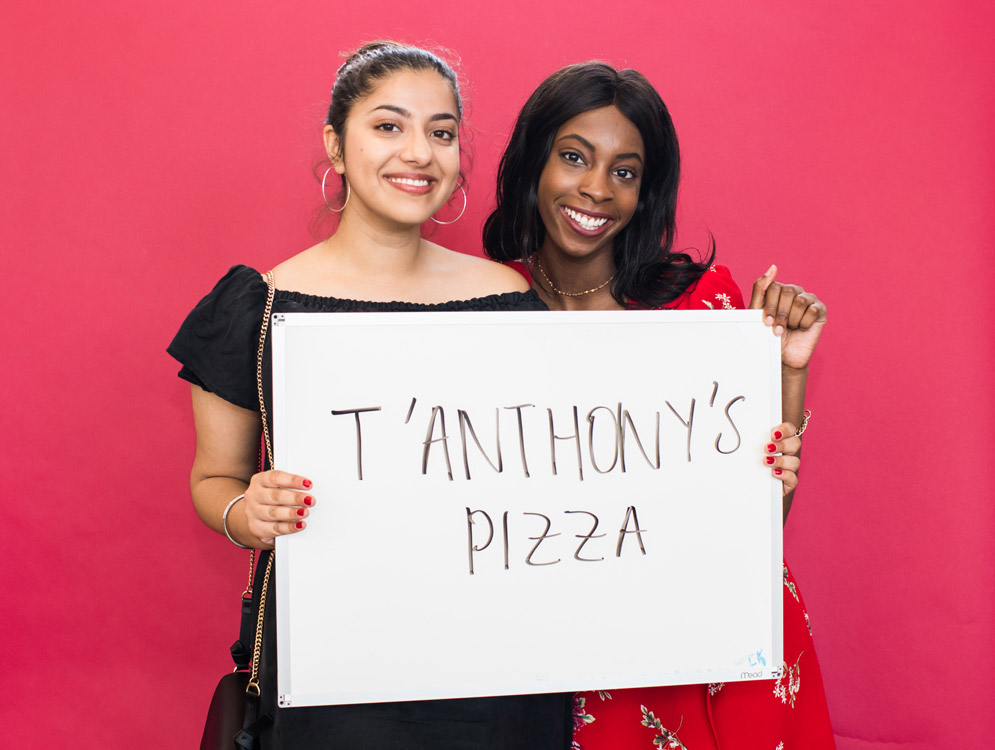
(589, 188)
(400, 154)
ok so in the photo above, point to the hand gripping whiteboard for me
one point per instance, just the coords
(525, 502)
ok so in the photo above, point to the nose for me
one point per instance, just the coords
(597, 186)
(416, 149)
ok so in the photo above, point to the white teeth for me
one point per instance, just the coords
(588, 222)
(406, 181)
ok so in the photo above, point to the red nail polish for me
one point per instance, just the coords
(778, 434)
(769, 460)
(778, 472)
(308, 500)
(307, 484)
(299, 524)
(301, 511)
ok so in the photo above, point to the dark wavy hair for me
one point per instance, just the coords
(647, 271)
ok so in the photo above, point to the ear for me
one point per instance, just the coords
(333, 147)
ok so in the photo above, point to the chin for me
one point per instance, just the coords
(409, 219)
(581, 250)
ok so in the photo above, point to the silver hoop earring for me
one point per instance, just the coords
(460, 213)
(348, 193)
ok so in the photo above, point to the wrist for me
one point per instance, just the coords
(225, 517)
(794, 372)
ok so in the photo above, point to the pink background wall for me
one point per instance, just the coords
(148, 146)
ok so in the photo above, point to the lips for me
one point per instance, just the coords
(411, 182)
(586, 223)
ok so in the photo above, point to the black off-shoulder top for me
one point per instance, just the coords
(217, 343)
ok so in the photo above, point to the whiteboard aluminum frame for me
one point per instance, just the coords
(532, 324)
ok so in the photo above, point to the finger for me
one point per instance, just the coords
(784, 463)
(789, 480)
(277, 478)
(289, 527)
(267, 531)
(771, 300)
(799, 309)
(782, 430)
(816, 313)
(784, 302)
(760, 288)
(265, 507)
(789, 446)
(287, 498)
(284, 514)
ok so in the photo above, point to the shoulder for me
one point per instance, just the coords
(477, 277)
(239, 283)
(522, 269)
(715, 290)
(216, 343)
(239, 294)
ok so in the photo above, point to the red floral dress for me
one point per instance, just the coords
(789, 713)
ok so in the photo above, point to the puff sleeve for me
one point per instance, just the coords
(216, 344)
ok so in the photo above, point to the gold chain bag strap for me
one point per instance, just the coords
(253, 686)
(233, 718)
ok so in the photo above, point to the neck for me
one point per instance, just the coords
(374, 247)
(566, 283)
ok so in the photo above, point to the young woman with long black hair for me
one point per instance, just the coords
(586, 207)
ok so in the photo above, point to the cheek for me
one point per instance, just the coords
(631, 204)
(353, 157)
(547, 189)
(451, 159)
(448, 161)
(545, 201)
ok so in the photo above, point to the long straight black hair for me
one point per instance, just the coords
(647, 271)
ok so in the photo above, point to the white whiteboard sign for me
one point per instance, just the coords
(460, 462)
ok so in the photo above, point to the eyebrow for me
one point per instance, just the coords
(587, 144)
(405, 113)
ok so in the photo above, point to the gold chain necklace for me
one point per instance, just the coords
(602, 285)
